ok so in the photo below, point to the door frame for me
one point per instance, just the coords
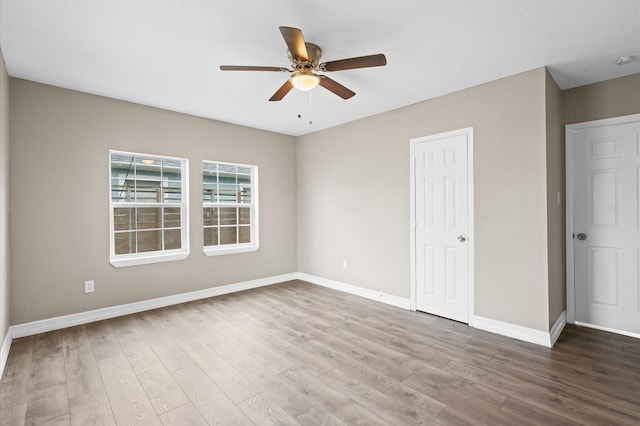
(570, 129)
(468, 132)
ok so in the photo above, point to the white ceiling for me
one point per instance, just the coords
(166, 53)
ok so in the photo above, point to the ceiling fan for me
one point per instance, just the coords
(305, 59)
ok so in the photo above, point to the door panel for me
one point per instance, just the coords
(606, 176)
(441, 217)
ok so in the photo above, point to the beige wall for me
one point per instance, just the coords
(353, 196)
(555, 204)
(59, 200)
(4, 200)
(611, 98)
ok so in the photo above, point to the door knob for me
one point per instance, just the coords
(461, 238)
(582, 236)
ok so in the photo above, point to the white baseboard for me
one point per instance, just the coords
(519, 332)
(4, 351)
(607, 329)
(378, 296)
(557, 328)
(56, 323)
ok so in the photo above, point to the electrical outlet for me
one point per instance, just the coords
(345, 264)
(89, 286)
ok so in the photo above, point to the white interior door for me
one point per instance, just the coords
(441, 194)
(606, 226)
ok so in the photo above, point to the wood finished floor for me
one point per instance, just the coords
(296, 353)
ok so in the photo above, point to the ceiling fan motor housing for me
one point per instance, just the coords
(314, 52)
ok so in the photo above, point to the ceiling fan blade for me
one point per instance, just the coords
(295, 42)
(335, 87)
(351, 63)
(282, 91)
(251, 68)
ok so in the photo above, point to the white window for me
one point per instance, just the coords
(229, 207)
(148, 218)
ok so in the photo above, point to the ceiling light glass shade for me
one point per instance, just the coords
(305, 81)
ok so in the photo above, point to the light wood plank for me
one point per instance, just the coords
(48, 406)
(234, 384)
(270, 384)
(129, 402)
(103, 343)
(161, 388)
(91, 408)
(212, 403)
(15, 379)
(13, 416)
(395, 410)
(318, 416)
(262, 411)
(169, 352)
(186, 414)
(81, 367)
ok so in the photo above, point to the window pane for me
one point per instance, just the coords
(172, 217)
(147, 163)
(244, 214)
(229, 184)
(124, 190)
(209, 190)
(210, 236)
(148, 191)
(171, 167)
(172, 239)
(157, 181)
(227, 169)
(124, 242)
(227, 193)
(244, 194)
(123, 219)
(228, 216)
(209, 168)
(148, 218)
(210, 216)
(228, 235)
(122, 164)
(172, 194)
(149, 241)
(244, 234)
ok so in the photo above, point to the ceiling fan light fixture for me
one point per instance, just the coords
(304, 81)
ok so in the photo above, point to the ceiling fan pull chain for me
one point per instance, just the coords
(310, 120)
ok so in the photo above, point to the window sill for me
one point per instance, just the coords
(218, 251)
(145, 259)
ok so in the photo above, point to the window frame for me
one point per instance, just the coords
(148, 257)
(236, 248)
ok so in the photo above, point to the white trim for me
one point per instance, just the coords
(557, 328)
(254, 226)
(145, 258)
(56, 323)
(233, 249)
(135, 259)
(515, 331)
(389, 299)
(570, 129)
(4, 351)
(610, 330)
(468, 131)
